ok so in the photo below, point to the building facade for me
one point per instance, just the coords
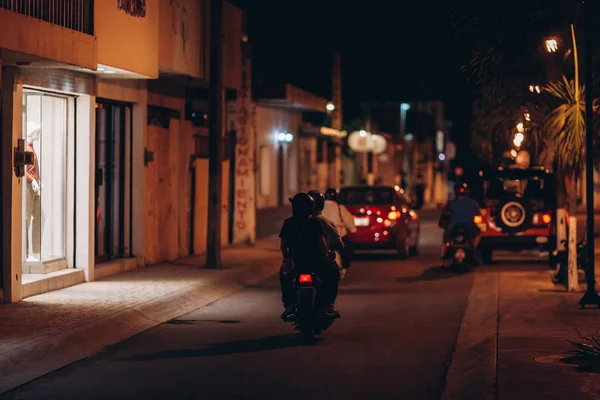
(102, 148)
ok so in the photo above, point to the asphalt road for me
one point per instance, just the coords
(399, 324)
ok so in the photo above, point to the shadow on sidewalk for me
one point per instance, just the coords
(226, 348)
(432, 273)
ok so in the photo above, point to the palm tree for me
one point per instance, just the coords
(565, 128)
(493, 129)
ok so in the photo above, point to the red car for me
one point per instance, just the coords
(384, 219)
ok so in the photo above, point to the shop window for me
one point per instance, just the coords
(45, 185)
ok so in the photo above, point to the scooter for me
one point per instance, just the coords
(459, 253)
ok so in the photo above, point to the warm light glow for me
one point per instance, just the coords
(363, 133)
(513, 153)
(527, 116)
(385, 233)
(551, 45)
(535, 88)
(520, 127)
(393, 215)
(305, 278)
(397, 188)
(547, 218)
(380, 220)
(518, 140)
(478, 219)
(330, 107)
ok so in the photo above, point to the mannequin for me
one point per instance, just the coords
(33, 207)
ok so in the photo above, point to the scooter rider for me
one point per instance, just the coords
(461, 212)
(303, 246)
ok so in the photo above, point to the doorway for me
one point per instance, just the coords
(280, 176)
(45, 202)
(114, 179)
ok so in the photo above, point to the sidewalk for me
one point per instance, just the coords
(514, 335)
(43, 333)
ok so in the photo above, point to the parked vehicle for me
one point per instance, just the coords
(384, 219)
(310, 319)
(459, 253)
(518, 209)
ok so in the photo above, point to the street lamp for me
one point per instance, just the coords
(551, 45)
(330, 107)
(518, 139)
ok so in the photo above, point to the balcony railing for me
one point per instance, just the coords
(77, 15)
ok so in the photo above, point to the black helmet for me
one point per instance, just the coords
(331, 194)
(302, 205)
(462, 190)
(318, 198)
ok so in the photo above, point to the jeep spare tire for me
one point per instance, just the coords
(513, 215)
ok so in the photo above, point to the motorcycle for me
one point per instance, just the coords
(309, 318)
(459, 253)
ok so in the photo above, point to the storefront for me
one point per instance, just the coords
(50, 204)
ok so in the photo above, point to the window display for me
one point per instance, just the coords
(45, 131)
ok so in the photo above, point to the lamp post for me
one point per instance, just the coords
(404, 107)
(330, 107)
(591, 296)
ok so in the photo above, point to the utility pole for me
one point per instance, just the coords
(215, 140)
(591, 296)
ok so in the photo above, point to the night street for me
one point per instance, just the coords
(395, 338)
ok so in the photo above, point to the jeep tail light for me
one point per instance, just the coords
(547, 218)
(305, 278)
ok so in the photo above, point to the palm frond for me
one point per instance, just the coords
(565, 126)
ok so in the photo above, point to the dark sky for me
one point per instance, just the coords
(391, 50)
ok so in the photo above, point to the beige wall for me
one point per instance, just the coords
(43, 39)
(182, 26)
(127, 42)
(269, 121)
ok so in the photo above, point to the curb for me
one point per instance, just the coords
(473, 371)
(32, 361)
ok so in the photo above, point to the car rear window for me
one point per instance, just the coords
(535, 188)
(374, 196)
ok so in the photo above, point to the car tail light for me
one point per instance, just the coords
(478, 219)
(305, 278)
(547, 218)
(393, 215)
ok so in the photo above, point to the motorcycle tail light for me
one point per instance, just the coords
(547, 218)
(305, 278)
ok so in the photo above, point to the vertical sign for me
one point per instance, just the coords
(244, 219)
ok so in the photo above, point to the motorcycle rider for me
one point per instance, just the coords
(461, 212)
(304, 247)
(344, 221)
